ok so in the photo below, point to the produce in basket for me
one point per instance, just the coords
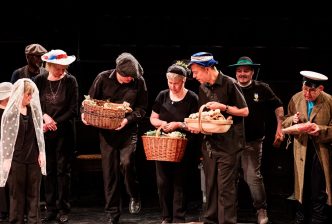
(162, 146)
(208, 122)
(107, 104)
(299, 128)
(208, 115)
(174, 134)
(104, 114)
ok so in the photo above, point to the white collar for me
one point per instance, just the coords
(245, 85)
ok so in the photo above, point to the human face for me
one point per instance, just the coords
(175, 85)
(244, 74)
(124, 79)
(57, 70)
(311, 94)
(27, 96)
(34, 61)
(200, 73)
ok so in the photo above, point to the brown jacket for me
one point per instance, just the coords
(321, 115)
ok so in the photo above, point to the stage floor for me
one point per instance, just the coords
(85, 212)
(94, 214)
(88, 207)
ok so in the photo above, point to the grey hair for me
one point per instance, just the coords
(171, 75)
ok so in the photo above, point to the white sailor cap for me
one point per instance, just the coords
(313, 79)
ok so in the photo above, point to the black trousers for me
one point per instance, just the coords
(24, 192)
(221, 172)
(4, 199)
(59, 152)
(118, 158)
(171, 179)
(314, 209)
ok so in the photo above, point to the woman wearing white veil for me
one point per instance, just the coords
(22, 151)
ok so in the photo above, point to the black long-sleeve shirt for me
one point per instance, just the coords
(107, 87)
(65, 91)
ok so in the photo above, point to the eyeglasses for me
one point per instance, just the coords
(309, 90)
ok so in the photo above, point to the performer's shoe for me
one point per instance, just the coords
(134, 205)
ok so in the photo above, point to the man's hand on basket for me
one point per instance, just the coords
(123, 123)
(194, 131)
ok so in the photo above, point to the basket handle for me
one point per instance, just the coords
(158, 131)
(200, 119)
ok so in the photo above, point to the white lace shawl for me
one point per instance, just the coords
(10, 124)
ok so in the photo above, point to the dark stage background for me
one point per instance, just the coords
(282, 45)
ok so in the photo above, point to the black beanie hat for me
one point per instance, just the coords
(127, 65)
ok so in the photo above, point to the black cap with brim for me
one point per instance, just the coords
(313, 79)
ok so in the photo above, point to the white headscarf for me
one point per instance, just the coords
(10, 124)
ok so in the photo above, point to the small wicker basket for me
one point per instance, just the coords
(164, 148)
(99, 116)
(208, 126)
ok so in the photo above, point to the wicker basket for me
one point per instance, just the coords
(208, 126)
(103, 117)
(164, 148)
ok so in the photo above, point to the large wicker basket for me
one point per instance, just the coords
(98, 115)
(208, 126)
(164, 148)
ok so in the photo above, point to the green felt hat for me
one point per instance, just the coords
(244, 61)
